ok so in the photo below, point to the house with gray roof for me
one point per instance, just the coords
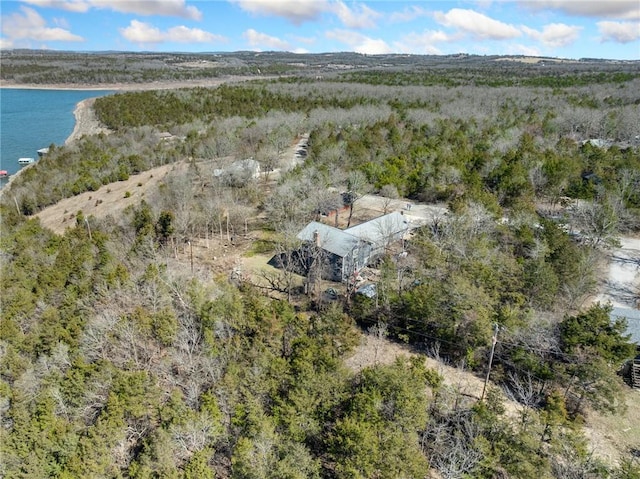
(381, 231)
(347, 251)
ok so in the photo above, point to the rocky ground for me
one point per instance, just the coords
(86, 121)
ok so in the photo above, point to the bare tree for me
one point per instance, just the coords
(193, 434)
(269, 159)
(356, 187)
(523, 390)
(598, 221)
(379, 332)
(389, 193)
(279, 138)
(177, 195)
(314, 260)
(583, 282)
(449, 443)
(289, 256)
(251, 136)
(285, 205)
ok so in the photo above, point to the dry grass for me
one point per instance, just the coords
(613, 436)
(609, 436)
(111, 199)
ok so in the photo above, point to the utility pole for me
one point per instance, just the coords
(493, 348)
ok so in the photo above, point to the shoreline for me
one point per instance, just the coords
(122, 87)
(86, 122)
(63, 87)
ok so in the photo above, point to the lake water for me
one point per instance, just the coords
(34, 119)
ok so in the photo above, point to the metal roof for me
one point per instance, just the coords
(379, 230)
(331, 239)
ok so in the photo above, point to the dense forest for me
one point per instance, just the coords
(118, 359)
(47, 67)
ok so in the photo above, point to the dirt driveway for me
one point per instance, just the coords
(621, 287)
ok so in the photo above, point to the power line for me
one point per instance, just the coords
(503, 343)
(506, 360)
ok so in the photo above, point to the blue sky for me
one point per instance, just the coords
(557, 28)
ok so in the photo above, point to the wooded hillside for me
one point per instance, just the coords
(121, 358)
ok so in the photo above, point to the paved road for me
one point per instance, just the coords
(622, 284)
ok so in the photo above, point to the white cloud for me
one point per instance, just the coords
(358, 15)
(554, 34)
(518, 49)
(484, 4)
(170, 8)
(621, 9)
(262, 41)
(5, 44)
(372, 46)
(408, 14)
(620, 32)
(296, 11)
(68, 5)
(476, 24)
(61, 22)
(425, 42)
(360, 43)
(184, 34)
(143, 33)
(29, 25)
(177, 8)
(361, 16)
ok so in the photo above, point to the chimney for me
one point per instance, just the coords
(316, 238)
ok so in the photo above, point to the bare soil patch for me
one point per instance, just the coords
(612, 436)
(110, 199)
(86, 121)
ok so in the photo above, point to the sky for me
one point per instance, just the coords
(554, 28)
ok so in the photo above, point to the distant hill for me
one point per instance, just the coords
(65, 67)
